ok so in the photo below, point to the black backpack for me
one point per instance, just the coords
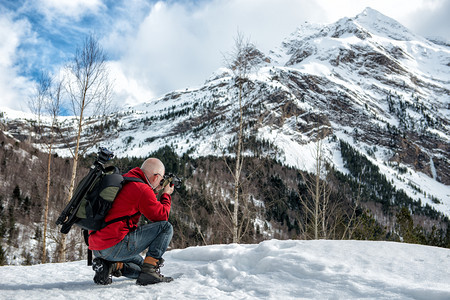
(94, 197)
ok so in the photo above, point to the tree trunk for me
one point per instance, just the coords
(62, 251)
(47, 196)
(317, 196)
(238, 172)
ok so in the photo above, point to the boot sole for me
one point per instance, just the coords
(101, 276)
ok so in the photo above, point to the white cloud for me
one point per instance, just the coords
(14, 88)
(127, 89)
(69, 8)
(179, 45)
(431, 19)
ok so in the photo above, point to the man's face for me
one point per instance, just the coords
(156, 179)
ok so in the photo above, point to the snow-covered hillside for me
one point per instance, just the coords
(365, 80)
(270, 270)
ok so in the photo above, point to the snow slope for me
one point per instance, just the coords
(270, 270)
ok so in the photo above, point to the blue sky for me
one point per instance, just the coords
(159, 46)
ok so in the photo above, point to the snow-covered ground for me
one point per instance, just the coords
(270, 270)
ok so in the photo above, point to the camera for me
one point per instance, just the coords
(104, 155)
(171, 179)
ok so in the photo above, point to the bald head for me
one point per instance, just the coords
(153, 166)
(154, 170)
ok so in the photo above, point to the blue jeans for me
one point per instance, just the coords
(155, 237)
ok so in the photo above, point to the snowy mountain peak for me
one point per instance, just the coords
(367, 31)
(372, 16)
(381, 25)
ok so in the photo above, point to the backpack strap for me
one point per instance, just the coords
(126, 179)
(121, 219)
(133, 179)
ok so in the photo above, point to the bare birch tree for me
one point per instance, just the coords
(89, 89)
(316, 204)
(311, 201)
(47, 101)
(239, 61)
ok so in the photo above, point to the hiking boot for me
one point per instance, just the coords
(150, 273)
(105, 269)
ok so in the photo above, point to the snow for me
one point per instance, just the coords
(273, 269)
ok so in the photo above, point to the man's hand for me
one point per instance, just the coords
(169, 189)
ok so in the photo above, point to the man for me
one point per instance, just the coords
(117, 247)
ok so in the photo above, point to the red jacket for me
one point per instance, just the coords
(135, 197)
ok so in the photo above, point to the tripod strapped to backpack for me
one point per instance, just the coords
(68, 216)
(94, 197)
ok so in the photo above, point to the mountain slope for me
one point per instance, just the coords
(364, 86)
(270, 270)
(366, 80)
